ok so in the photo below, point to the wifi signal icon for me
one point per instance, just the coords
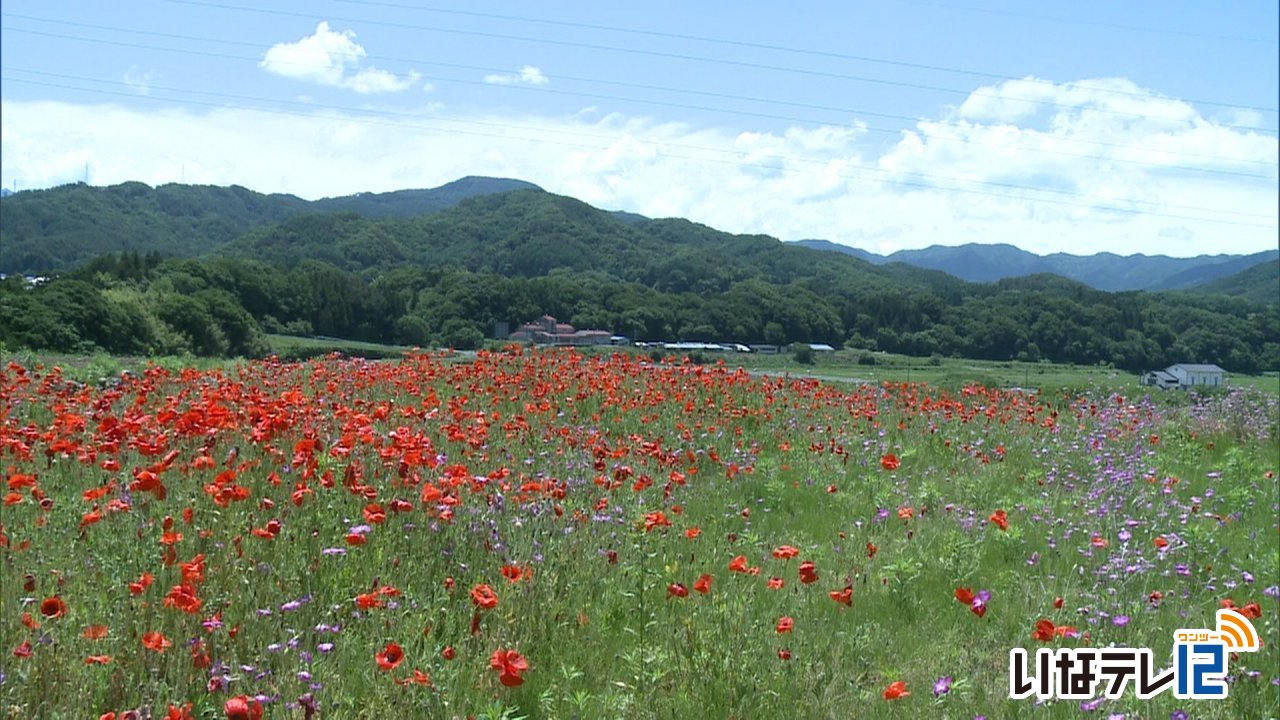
(1236, 632)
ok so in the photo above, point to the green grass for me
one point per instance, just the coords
(529, 446)
(292, 347)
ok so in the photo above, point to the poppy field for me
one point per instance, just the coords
(549, 535)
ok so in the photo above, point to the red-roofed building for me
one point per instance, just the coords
(546, 330)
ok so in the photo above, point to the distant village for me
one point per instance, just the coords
(546, 330)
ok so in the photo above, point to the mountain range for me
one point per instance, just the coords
(46, 230)
(208, 270)
(1105, 271)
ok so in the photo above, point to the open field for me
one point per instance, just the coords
(552, 535)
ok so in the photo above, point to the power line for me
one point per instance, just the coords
(596, 96)
(660, 149)
(1081, 21)
(681, 56)
(768, 46)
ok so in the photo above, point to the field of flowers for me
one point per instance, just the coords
(547, 535)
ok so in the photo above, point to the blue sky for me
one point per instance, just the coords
(1056, 126)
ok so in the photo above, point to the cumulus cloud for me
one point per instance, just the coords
(1068, 179)
(139, 80)
(334, 59)
(528, 75)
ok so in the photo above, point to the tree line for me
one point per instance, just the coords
(129, 303)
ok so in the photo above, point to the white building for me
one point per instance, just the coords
(1189, 375)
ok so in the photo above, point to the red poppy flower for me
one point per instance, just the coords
(509, 664)
(1000, 519)
(448, 653)
(895, 690)
(418, 678)
(155, 641)
(964, 595)
(1044, 630)
(94, 632)
(703, 584)
(242, 707)
(844, 597)
(693, 532)
(183, 597)
(389, 657)
(738, 564)
(1057, 603)
(784, 654)
(1253, 611)
(871, 550)
(785, 624)
(785, 552)
(1160, 542)
(97, 660)
(890, 462)
(53, 607)
(141, 585)
(808, 572)
(775, 583)
(483, 596)
(677, 590)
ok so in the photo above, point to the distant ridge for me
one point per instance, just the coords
(1260, 283)
(1104, 271)
(408, 203)
(60, 227)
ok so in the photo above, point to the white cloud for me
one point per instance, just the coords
(1123, 183)
(139, 80)
(528, 74)
(333, 59)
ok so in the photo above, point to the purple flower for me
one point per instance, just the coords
(1178, 715)
(1091, 705)
(942, 686)
(334, 551)
(1120, 620)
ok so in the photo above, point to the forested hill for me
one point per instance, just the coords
(1260, 283)
(449, 276)
(58, 228)
(1104, 271)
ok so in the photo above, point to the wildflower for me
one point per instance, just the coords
(1000, 519)
(509, 664)
(677, 590)
(942, 686)
(155, 641)
(242, 707)
(890, 462)
(896, 689)
(389, 657)
(785, 624)
(703, 584)
(844, 597)
(483, 596)
(53, 607)
(785, 552)
(808, 572)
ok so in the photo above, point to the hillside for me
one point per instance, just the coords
(1103, 271)
(449, 277)
(45, 230)
(1260, 284)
